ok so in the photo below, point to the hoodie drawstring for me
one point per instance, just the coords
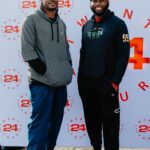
(57, 32)
(53, 32)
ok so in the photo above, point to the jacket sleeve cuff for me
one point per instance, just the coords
(115, 86)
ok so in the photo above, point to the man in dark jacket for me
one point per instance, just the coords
(104, 57)
(44, 46)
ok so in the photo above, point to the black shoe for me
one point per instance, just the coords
(96, 148)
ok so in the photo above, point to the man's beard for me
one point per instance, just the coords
(100, 13)
(50, 9)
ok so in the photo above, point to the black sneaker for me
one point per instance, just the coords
(96, 148)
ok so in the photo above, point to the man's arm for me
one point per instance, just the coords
(82, 48)
(122, 51)
(28, 39)
(38, 65)
(68, 52)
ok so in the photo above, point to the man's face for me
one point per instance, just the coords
(50, 4)
(99, 6)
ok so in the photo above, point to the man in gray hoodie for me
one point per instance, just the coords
(44, 46)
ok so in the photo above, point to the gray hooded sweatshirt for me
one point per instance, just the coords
(44, 39)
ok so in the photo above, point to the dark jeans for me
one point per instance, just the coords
(47, 114)
(101, 111)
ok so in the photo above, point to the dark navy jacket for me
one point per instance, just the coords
(105, 48)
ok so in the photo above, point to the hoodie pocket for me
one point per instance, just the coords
(60, 72)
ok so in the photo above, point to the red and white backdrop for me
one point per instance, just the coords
(134, 90)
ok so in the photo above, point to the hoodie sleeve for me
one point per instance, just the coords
(82, 48)
(68, 52)
(122, 51)
(28, 36)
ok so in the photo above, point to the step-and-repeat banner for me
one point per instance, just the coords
(15, 107)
